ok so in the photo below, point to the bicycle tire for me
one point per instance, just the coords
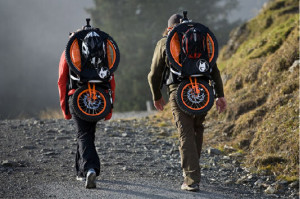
(175, 36)
(191, 102)
(88, 109)
(76, 42)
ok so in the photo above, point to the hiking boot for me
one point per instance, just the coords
(193, 187)
(90, 179)
(80, 178)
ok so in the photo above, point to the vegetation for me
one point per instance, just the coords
(260, 71)
(50, 114)
(262, 90)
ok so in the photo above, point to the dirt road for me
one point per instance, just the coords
(137, 161)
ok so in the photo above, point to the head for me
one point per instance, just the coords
(172, 22)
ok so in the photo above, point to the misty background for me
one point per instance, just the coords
(33, 35)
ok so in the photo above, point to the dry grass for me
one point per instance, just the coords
(51, 114)
(263, 94)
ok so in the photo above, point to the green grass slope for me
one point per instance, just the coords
(260, 70)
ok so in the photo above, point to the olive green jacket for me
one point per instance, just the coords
(160, 61)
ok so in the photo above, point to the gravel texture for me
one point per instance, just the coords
(137, 161)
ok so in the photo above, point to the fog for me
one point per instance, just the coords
(33, 35)
(247, 9)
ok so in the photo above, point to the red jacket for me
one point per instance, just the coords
(63, 79)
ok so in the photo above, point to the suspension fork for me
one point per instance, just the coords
(92, 91)
(195, 86)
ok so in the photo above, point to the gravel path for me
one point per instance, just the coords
(132, 114)
(137, 161)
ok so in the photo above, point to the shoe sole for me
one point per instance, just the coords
(190, 189)
(81, 179)
(90, 181)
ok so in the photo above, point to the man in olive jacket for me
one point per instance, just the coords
(190, 128)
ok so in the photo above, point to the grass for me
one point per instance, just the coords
(51, 114)
(272, 125)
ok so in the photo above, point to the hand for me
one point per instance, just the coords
(221, 104)
(159, 104)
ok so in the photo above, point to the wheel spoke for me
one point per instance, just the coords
(195, 100)
(89, 106)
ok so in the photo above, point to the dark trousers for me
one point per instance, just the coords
(86, 154)
(190, 129)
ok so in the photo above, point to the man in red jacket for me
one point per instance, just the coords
(87, 160)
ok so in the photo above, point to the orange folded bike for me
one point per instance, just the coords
(92, 56)
(192, 51)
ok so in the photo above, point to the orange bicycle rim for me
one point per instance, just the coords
(88, 91)
(192, 108)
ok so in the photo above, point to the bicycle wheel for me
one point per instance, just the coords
(195, 98)
(91, 105)
(174, 47)
(74, 45)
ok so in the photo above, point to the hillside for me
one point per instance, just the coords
(260, 67)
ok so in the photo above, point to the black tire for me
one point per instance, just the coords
(79, 36)
(195, 104)
(88, 109)
(179, 30)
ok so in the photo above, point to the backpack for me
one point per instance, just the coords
(192, 51)
(92, 56)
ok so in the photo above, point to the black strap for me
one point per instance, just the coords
(67, 94)
(204, 47)
(165, 76)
